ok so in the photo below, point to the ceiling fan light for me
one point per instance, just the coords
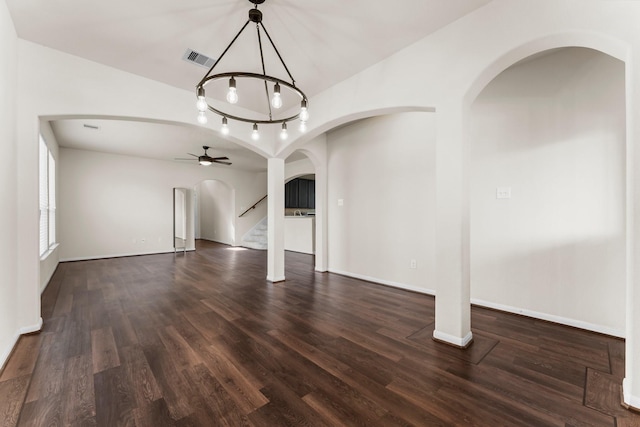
(204, 162)
(225, 127)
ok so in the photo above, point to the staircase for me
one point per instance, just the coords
(256, 238)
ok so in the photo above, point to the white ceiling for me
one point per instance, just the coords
(322, 42)
(163, 141)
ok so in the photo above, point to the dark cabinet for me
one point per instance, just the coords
(300, 193)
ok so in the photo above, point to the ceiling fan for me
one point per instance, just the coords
(206, 159)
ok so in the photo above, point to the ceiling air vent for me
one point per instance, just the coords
(197, 58)
(94, 127)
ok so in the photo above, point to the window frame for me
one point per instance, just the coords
(47, 198)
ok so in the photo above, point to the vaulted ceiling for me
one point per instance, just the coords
(322, 42)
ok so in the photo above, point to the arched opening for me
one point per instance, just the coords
(547, 188)
(613, 48)
(214, 212)
(381, 199)
(300, 205)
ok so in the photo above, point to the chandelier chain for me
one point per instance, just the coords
(264, 70)
(293, 81)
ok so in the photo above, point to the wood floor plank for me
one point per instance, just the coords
(104, 350)
(46, 411)
(12, 394)
(114, 398)
(49, 370)
(24, 357)
(154, 414)
(203, 340)
(78, 396)
(223, 407)
(137, 369)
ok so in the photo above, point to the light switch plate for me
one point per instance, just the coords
(340, 202)
(503, 192)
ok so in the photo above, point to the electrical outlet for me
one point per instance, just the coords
(340, 202)
(413, 264)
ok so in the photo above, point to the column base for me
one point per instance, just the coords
(454, 341)
(275, 279)
(629, 401)
(32, 328)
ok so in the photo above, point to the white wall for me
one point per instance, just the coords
(49, 262)
(297, 168)
(112, 205)
(552, 129)
(216, 206)
(383, 170)
(9, 309)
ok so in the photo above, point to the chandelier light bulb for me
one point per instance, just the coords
(225, 127)
(276, 101)
(304, 113)
(303, 127)
(201, 104)
(202, 118)
(255, 135)
(232, 95)
(283, 133)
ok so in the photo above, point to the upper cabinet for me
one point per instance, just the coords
(300, 193)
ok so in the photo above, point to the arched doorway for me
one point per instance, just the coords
(547, 188)
(215, 212)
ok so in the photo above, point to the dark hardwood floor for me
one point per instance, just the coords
(203, 340)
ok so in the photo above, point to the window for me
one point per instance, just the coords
(47, 174)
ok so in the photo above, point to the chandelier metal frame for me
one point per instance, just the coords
(255, 16)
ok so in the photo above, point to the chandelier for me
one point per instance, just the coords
(273, 99)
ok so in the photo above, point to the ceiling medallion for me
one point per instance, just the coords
(273, 98)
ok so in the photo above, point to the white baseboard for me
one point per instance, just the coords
(6, 352)
(93, 257)
(552, 318)
(384, 282)
(508, 309)
(453, 340)
(216, 241)
(632, 401)
(31, 329)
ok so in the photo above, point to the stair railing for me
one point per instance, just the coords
(254, 206)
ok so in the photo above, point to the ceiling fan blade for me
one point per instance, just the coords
(220, 158)
(192, 155)
(177, 158)
(221, 162)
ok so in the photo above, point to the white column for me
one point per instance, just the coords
(631, 384)
(321, 218)
(275, 213)
(28, 133)
(453, 305)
